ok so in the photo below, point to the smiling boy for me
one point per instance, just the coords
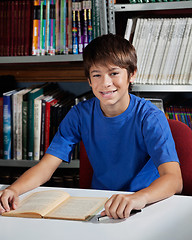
(127, 139)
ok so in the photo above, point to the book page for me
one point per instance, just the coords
(39, 203)
(77, 208)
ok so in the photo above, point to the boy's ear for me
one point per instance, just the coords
(133, 76)
(89, 81)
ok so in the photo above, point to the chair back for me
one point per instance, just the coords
(182, 136)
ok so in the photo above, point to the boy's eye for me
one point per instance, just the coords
(114, 73)
(96, 75)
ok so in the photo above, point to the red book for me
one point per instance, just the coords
(5, 29)
(12, 30)
(23, 26)
(1, 27)
(8, 30)
(15, 50)
(28, 27)
(48, 105)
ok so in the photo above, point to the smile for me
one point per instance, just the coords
(106, 93)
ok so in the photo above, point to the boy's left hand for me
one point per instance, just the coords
(120, 205)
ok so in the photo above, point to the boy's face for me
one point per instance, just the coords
(110, 85)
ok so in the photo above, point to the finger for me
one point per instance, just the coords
(107, 206)
(15, 202)
(103, 213)
(121, 209)
(127, 211)
(115, 202)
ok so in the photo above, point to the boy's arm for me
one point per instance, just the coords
(169, 183)
(32, 178)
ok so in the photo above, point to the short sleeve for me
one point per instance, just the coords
(158, 138)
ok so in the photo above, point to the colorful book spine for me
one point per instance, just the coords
(57, 27)
(52, 40)
(85, 23)
(1, 127)
(89, 16)
(47, 41)
(7, 124)
(62, 26)
(70, 26)
(35, 28)
(74, 29)
(79, 30)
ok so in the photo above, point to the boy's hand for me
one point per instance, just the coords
(8, 200)
(120, 205)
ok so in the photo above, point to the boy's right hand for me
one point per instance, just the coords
(8, 200)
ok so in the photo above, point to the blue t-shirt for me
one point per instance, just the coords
(124, 151)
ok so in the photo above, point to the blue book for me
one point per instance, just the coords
(7, 124)
(74, 29)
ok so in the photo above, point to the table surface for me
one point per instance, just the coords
(165, 220)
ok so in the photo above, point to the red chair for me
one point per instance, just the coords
(182, 135)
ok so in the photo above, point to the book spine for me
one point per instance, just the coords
(89, 16)
(35, 28)
(70, 26)
(62, 27)
(79, 30)
(37, 128)
(16, 28)
(74, 29)
(1, 127)
(57, 27)
(27, 32)
(23, 27)
(42, 140)
(24, 129)
(47, 42)
(85, 24)
(7, 127)
(47, 122)
(52, 29)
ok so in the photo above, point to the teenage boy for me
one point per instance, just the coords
(127, 139)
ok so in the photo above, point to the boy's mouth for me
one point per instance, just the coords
(108, 92)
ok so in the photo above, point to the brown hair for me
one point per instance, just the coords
(110, 49)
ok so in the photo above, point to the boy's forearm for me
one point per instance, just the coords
(36, 176)
(163, 187)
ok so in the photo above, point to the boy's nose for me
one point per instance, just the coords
(107, 81)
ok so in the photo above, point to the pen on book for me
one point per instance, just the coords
(133, 211)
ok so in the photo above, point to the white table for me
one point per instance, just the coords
(170, 219)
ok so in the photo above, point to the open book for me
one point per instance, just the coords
(57, 204)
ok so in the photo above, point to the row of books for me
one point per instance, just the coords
(47, 27)
(179, 113)
(145, 1)
(164, 49)
(31, 117)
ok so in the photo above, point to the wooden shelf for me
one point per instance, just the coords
(31, 163)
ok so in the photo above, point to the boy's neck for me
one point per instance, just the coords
(110, 111)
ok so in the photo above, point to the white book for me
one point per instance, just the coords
(190, 74)
(19, 122)
(37, 126)
(159, 53)
(139, 25)
(176, 48)
(153, 44)
(176, 76)
(156, 27)
(128, 29)
(186, 62)
(17, 99)
(141, 46)
(149, 29)
(165, 60)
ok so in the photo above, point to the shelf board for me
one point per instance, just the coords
(31, 163)
(161, 88)
(152, 6)
(41, 59)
